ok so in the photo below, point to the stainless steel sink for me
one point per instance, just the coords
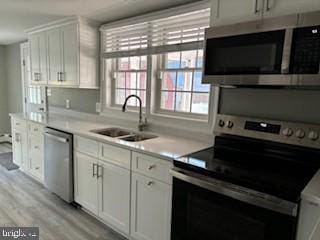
(112, 132)
(138, 137)
(124, 135)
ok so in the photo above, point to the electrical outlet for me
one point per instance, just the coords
(98, 107)
(67, 103)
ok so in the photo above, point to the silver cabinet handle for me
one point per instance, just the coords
(61, 76)
(99, 173)
(94, 167)
(256, 10)
(268, 6)
(150, 183)
(151, 167)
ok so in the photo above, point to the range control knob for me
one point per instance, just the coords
(230, 124)
(287, 132)
(300, 134)
(221, 123)
(313, 135)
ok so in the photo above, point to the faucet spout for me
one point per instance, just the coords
(142, 124)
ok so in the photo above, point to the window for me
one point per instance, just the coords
(168, 45)
(130, 77)
(181, 89)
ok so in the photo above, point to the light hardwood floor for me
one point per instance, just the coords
(25, 203)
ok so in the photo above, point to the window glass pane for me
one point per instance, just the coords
(183, 101)
(167, 100)
(173, 60)
(200, 103)
(142, 95)
(169, 81)
(184, 81)
(123, 63)
(120, 96)
(200, 59)
(134, 63)
(142, 80)
(188, 59)
(132, 101)
(143, 63)
(131, 80)
(121, 80)
(197, 85)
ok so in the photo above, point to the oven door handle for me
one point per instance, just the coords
(242, 194)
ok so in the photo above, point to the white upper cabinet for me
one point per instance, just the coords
(71, 47)
(225, 12)
(70, 55)
(38, 56)
(54, 56)
(275, 8)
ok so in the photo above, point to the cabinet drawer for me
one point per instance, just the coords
(35, 129)
(152, 167)
(115, 155)
(19, 123)
(86, 146)
(36, 145)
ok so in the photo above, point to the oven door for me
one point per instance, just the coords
(205, 210)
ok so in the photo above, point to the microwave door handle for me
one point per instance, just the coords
(287, 47)
(239, 193)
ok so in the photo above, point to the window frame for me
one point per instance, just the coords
(153, 85)
(161, 61)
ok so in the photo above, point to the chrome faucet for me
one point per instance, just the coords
(142, 123)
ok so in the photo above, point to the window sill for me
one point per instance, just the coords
(205, 119)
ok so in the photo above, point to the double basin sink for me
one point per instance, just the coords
(124, 135)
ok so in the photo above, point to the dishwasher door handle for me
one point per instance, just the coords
(56, 138)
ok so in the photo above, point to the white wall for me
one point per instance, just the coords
(4, 120)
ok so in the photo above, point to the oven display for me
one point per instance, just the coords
(263, 127)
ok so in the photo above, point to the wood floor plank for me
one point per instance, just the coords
(25, 203)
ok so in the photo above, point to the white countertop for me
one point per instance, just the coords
(163, 146)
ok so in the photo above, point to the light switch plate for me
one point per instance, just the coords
(98, 107)
(67, 103)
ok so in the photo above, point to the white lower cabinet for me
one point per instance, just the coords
(150, 209)
(86, 181)
(36, 156)
(114, 196)
(19, 148)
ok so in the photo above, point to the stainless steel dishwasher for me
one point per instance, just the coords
(58, 163)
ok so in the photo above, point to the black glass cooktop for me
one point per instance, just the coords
(278, 169)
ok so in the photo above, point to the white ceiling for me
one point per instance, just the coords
(18, 15)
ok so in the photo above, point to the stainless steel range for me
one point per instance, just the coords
(260, 181)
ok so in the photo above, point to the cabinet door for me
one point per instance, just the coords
(85, 182)
(114, 196)
(35, 58)
(70, 58)
(19, 148)
(38, 56)
(54, 56)
(150, 209)
(36, 156)
(235, 11)
(275, 8)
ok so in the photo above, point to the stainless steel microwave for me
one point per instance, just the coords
(283, 51)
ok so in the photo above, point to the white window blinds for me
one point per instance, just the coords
(167, 34)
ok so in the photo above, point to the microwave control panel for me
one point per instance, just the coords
(305, 56)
